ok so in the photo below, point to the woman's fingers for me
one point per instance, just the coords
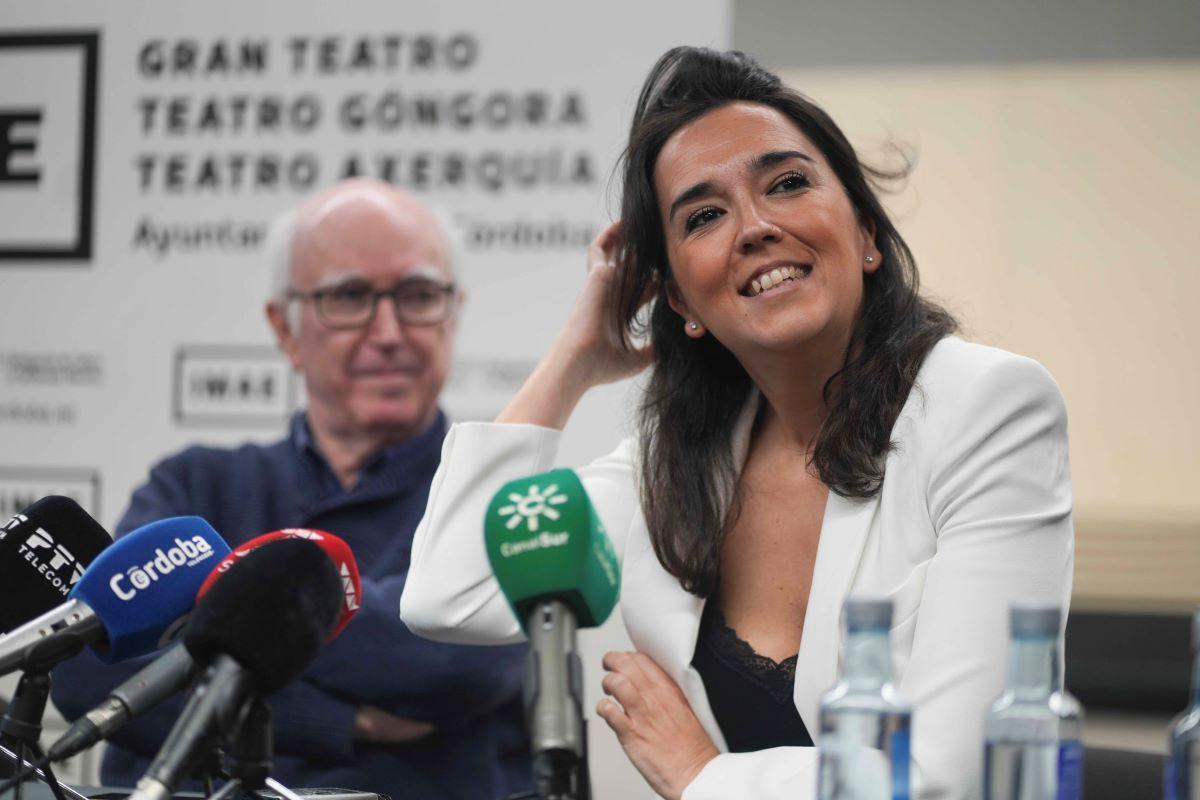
(641, 686)
(615, 716)
(638, 665)
(625, 691)
(609, 237)
(602, 250)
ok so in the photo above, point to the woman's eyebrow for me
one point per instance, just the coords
(775, 157)
(699, 190)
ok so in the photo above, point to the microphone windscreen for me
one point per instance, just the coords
(335, 548)
(143, 587)
(271, 612)
(44, 551)
(545, 539)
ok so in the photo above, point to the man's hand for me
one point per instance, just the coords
(376, 726)
(654, 723)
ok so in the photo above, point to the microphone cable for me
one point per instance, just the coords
(23, 774)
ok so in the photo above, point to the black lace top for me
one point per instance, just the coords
(750, 695)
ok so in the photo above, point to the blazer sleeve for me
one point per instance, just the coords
(999, 498)
(780, 773)
(451, 594)
(993, 461)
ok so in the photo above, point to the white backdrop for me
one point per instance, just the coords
(145, 146)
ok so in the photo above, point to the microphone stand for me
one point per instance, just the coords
(553, 690)
(21, 726)
(211, 768)
(251, 753)
(251, 749)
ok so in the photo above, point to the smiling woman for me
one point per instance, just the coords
(749, 177)
(810, 431)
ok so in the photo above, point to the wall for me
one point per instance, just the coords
(1053, 208)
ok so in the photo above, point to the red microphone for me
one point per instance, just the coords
(336, 548)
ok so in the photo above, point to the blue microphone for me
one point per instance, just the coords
(134, 597)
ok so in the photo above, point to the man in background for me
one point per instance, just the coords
(364, 307)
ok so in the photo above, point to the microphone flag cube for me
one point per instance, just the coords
(44, 551)
(545, 540)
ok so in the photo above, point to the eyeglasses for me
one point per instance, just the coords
(352, 305)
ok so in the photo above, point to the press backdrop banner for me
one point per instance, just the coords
(144, 148)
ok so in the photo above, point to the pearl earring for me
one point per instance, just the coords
(870, 259)
(693, 326)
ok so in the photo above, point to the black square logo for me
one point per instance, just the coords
(22, 486)
(47, 145)
(232, 385)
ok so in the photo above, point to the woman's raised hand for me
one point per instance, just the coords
(589, 336)
(587, 351)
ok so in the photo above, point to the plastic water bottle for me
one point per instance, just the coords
(864, 736)
(1183, 769)
(1033, 733)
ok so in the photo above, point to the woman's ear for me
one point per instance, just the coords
(872, 258)
(691, 326)
(675, 299)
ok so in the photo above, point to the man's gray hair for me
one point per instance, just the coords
(453, 240)
(281, 239)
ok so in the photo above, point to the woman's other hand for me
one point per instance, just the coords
(654, 723)
(587, 351)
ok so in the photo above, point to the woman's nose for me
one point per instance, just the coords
(756, 230)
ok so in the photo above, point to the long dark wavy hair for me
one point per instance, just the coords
(697, 388)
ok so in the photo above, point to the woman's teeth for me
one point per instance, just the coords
(777, 276)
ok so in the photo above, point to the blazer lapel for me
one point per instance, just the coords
(662, 619)
(843, 534)
(663, 622)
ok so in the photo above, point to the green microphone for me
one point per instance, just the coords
(558, 571)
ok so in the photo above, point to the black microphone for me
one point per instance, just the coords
(43, 553)
(254, 632)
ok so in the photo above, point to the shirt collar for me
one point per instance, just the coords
(426, 444)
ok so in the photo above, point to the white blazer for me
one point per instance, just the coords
(974, 515)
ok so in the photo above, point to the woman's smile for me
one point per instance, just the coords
(773, 278)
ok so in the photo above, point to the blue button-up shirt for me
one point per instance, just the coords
(471, 694)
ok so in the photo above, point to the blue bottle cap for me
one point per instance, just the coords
(864, 613)
(1029, 620)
